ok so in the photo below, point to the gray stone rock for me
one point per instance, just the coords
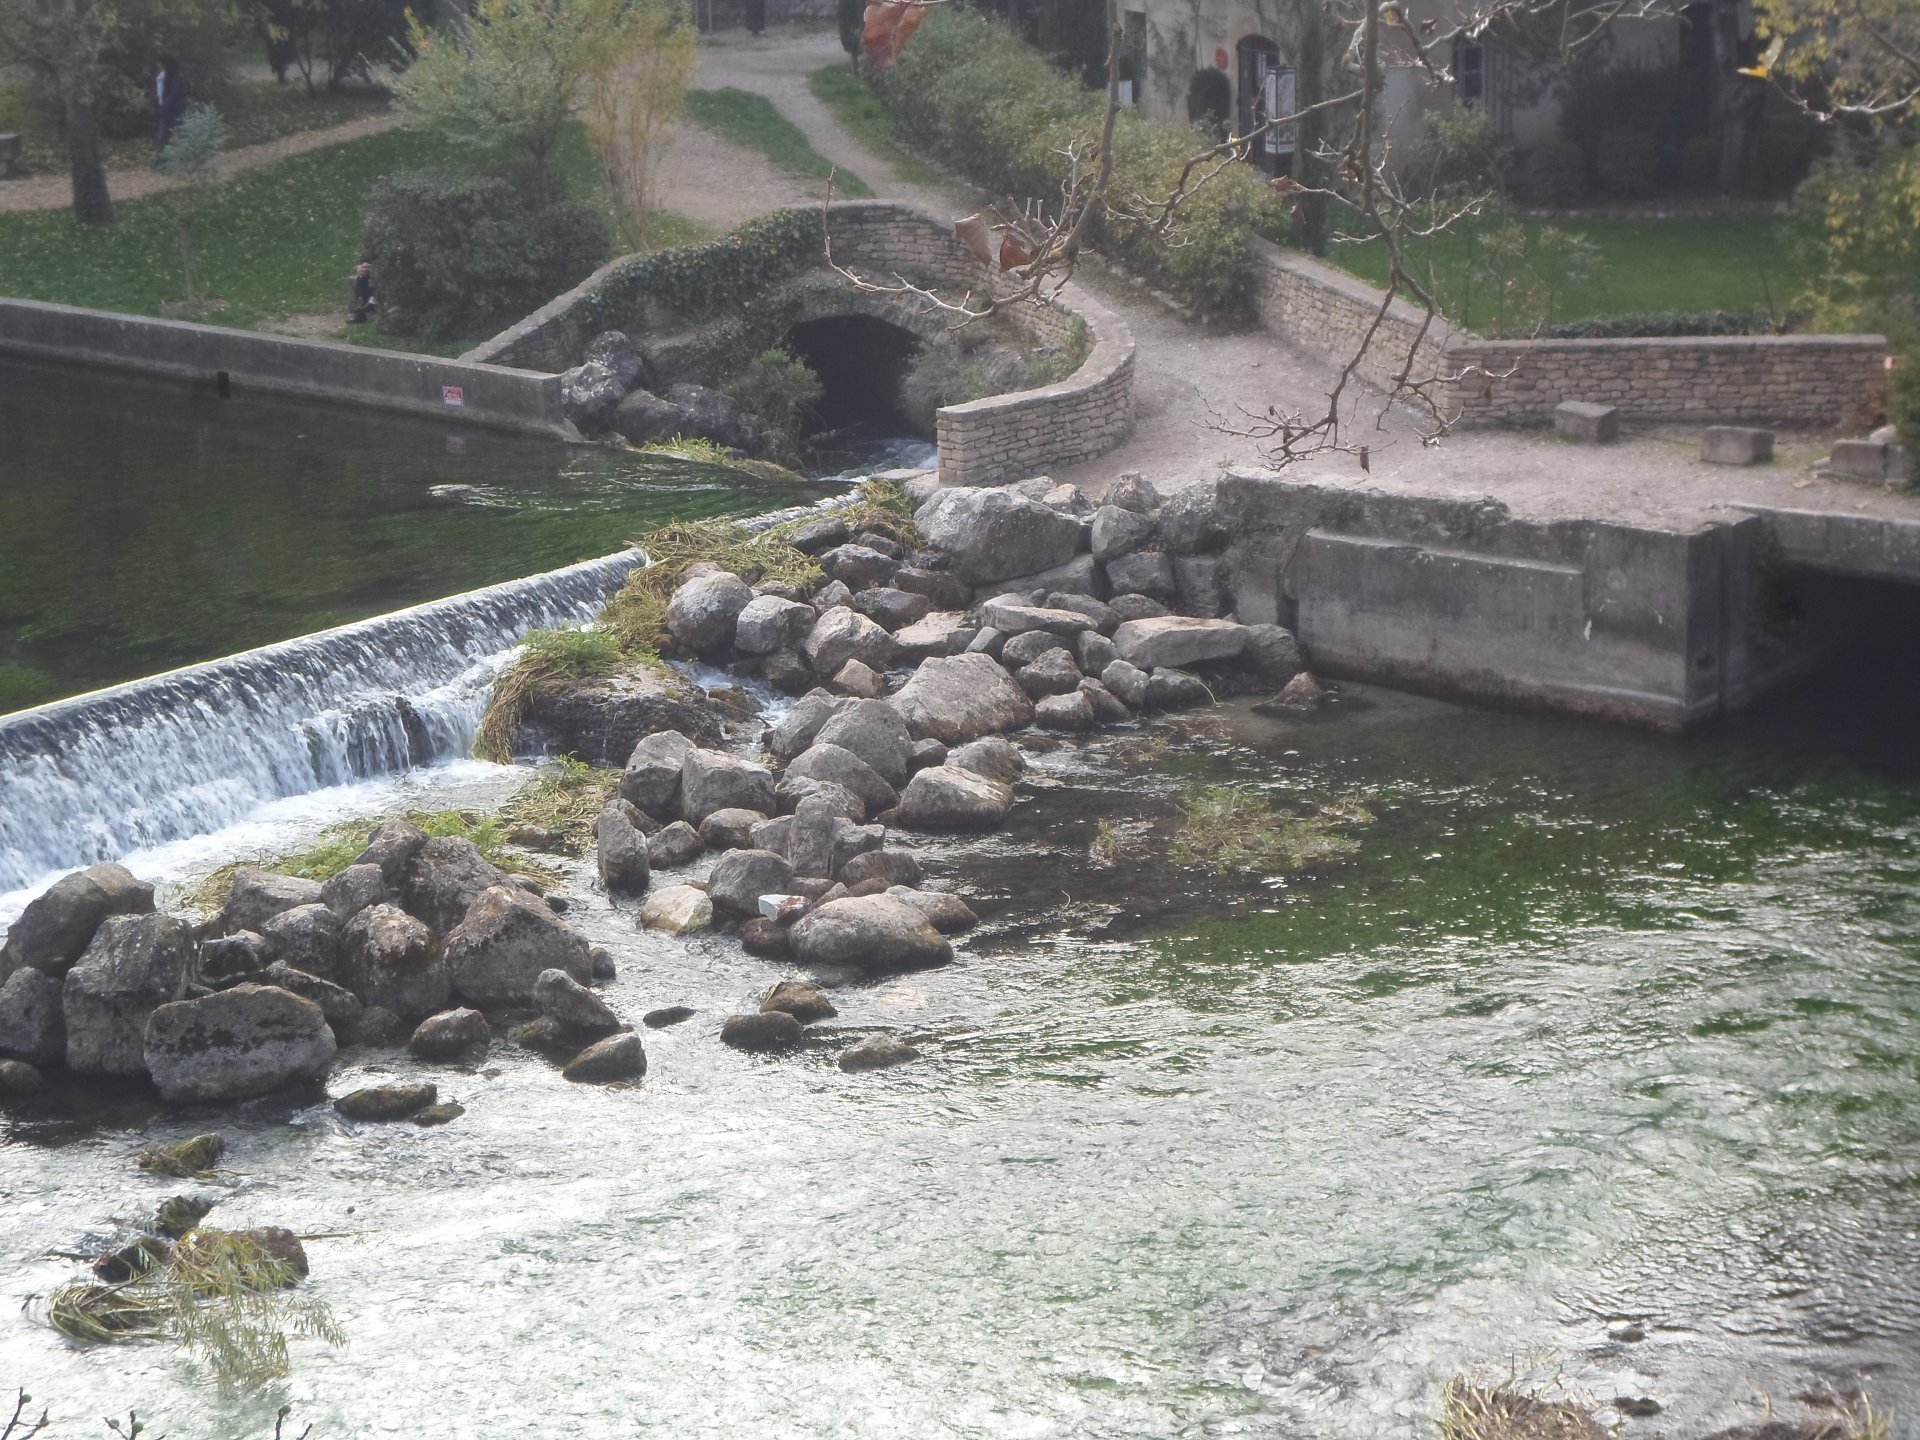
(1127, 681)
(1273, 653)
(816, 537)
(1201, 583)
(843, 634)
(306, 937)
(667, 1015)
(497, 953)
(948, 914)
(1094, 651)
(1147, 572)
(247, 1041)
(1030, 645)
(58, 924)
(837, 765)
(1174, 640)
(944, 590)
(229, 958)
(831, 596)
(622, 852)
(708, 415)
(392, 846)
(673, 846)
(742, 876)
(1071, 713)
(1116, 532)
(1190, 520)
(941, 632)
(386, 1102)
(713, 780)
(613, 349)
(563, 998)
(991, 756)
(1079, 576)
(803, 1001)
(786, 671)
(1011, 615)
(651, 779)
(992, 534)
(794, 731)
(987, 640)
(18, 1079)
(259, 895)
(1054, 673)
(589, 394)
(1176, 690)
(859, 680)
(809, 847)
(731, 829)
(850, 840)
(355, 888)
(858, 566)
(892, 609)
(1108, 708)
(339, 1004)
(32, 1025)
(772, 834)
(133, 965)
(765, 938)
(378, 1027)
(618, 1057)
(1133, 491)
(793, 789)
(444, 878)
(891, 867)
(768, 623)
(393, 962)
(961, 698)
(948, 797)
(677, 910)
(874, 731)
(451, 1035)
(767, 1033)
(876, 1052)
(925, 753)
(703, 613)
(1097, 611)
(1135, 607)
(1303, 692)
(875, 934)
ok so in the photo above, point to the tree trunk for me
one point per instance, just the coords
(91, 203)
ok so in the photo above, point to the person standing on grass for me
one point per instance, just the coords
(363, 297)
(169, 99)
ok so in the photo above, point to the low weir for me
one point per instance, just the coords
(183, 753)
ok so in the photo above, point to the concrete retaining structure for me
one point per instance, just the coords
(457, 390)
(1762, 379)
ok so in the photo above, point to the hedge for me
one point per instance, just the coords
(973, 96)
(1658, 324)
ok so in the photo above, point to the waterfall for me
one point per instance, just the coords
(184, 753)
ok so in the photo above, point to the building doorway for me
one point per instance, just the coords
(1266, 90)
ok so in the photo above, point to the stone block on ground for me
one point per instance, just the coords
(1586, 422)
(1869, 460)
(1736, 445)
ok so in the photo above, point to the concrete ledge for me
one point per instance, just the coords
(487, 395)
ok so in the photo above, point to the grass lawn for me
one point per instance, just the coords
(254, 111)
(1735, 262)
(860, 110)
(752, 122)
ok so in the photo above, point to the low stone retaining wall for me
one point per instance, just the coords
(1003, 437)
(458, 390)
(1761, 379)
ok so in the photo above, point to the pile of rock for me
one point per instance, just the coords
(611, 391)
(411, 937)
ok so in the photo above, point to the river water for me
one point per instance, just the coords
(1595, 1028)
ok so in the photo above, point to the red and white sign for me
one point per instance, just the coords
(452, 395)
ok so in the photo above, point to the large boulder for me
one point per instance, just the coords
(392, 961)
(1174, 640)
(837, 765)
(618, 1057)
(58, 924)
(844, 634)
(993, 534)
(614, 349)
(1190, 520)
(991, 756)
(713, 780)
(946, 797)
(620, 849)
(1117, 531)
(259, 895)
(444, 878)
(339, 1004)
(960, 698)
(355, 888)
(32, 1027)
(704, 611)
(460, 1035)
(1145, 572)
(741, 877)
(238, 1043)
(496, 954)
(873, 730)
(565, 1000)
(589, 393)
(794, 731)
(601, 720)
(134, 965)
(652, 777)
(858, 566)
(306, 937)
(768, 623)
(391, 846)
(874, 934)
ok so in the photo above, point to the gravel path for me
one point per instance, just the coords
(55, 192)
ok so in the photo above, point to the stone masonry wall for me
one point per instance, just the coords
(1761, 379)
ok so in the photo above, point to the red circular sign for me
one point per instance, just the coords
(1220, 59)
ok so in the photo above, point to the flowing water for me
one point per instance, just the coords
(146, 525)
(1595, 1028)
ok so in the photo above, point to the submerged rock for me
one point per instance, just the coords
(238, 1043)
(667, 1015)
(767, 1033)
(18, 1079)
(619, 1057)
(802, 1001)
(386, 1102)
(877, 1052)
(444, 1113)
(451, 1035)
(872, 933)
(677, 910)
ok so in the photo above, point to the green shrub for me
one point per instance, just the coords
(973, 96)
(1651, 323)
(697, 279)
(1903, 403)
(1556, 175)
(779, 388)
(456, 255)
(1628, 163)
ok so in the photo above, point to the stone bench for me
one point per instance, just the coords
(1736, 445)
(1593, 424)
(9, 156)
(1867, 460)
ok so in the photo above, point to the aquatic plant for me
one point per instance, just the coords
(1235, 827)
(561, 802)
(188, 1160)
(546, 656)
(1470, 1410)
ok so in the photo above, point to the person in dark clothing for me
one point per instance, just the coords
(363, 296)
(169, 99)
